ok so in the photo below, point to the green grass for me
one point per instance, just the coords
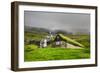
(83, 39)
(33, 53)
(35, 36)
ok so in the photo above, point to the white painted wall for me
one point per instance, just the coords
(5, 40)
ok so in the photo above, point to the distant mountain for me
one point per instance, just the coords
(44, 30)
(35, 29)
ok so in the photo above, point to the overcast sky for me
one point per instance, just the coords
(72, 22)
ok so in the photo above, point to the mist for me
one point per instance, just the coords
(69, 22)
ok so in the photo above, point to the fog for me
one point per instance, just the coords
(70, 22)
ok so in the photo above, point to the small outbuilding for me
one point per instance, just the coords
(65, 42)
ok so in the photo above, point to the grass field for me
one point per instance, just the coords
(44, 54)
(32, 52)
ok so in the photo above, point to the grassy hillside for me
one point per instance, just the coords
(33, 53)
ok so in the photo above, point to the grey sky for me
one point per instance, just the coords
(72, 22)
